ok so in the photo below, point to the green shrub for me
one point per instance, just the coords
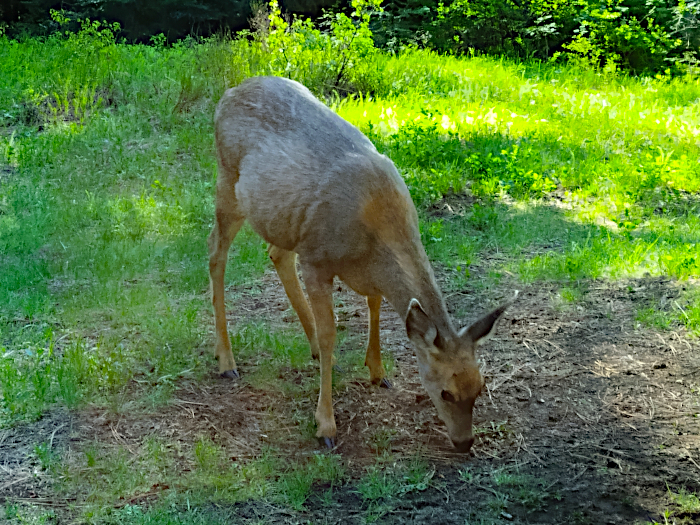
(629, 33)
(324, 61)
(636, 35)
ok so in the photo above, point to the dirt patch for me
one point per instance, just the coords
(579, 395)
(600, 411)
(606, 408)
(453, 204)
(21, 472)
(229, 413)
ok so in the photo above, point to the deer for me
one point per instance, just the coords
(316, 189)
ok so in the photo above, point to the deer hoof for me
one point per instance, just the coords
(385, 383)
(329, 443)
(230, 374)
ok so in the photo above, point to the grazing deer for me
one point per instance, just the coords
(314, 187)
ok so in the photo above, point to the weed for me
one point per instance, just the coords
(417, 476)
(498, 503)
(578, 518)
(653, 318)
(495, 430)
(208, 455)
(295, 484)
(376, 511)
(380, 440)
(466, 475)
(91, 453)
(385, 481)
(378, 484)
(687, 502)
(570, 294)
(46, 456)
(328, 468)
(295, 487)
(667, 517)
(11, 510)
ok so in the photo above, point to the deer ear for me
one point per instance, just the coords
(418, 324)
(481, 329)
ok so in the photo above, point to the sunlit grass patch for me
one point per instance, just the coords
(502, 130)
(614, 254)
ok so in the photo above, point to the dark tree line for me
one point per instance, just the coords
(635, 35)
(141, 19)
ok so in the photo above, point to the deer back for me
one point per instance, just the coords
(310, 182)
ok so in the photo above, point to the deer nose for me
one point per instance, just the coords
(463, 446)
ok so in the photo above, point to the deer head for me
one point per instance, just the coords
(449, 370)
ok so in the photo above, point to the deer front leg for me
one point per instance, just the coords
(320, 292)
(286, 265)
(373, 358)
(225, 229)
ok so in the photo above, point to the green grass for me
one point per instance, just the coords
(687, 502)
(388, 481)
(106, 477)
(505, 489)
(107, 171)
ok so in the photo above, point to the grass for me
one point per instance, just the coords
(506, 488)
(687, 502)
(106, 478)
(523, 171)
(388, 482)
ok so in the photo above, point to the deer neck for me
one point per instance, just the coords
(413, 278)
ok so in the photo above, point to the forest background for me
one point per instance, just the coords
(636, 35)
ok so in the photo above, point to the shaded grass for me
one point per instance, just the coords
(106, 477)
(508, 488)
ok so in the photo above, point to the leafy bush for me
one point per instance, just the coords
(324, 61)
(630, 33)
(638, 35)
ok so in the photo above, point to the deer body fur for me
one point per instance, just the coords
(313, 186)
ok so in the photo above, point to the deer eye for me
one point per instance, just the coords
(447, 396)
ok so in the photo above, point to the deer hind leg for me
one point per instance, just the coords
(225, 229)
(320, 290)
(286, 265)
(373, 358)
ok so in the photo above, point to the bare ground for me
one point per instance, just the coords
(601, 411)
